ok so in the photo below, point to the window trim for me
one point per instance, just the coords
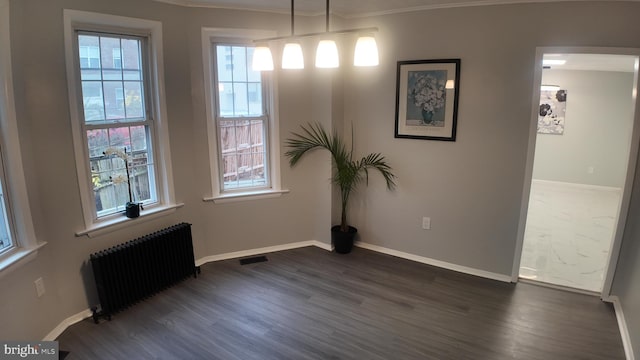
(211, 36)
(26, 244)
(75, 20)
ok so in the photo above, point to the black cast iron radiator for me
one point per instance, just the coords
(135, 270)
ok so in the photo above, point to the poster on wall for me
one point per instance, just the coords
(427, 99)
(553, 105)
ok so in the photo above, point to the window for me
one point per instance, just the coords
(18, 243)
(115, 120)
(242, 118)
(118, 115)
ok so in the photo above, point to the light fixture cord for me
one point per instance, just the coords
(327, 17)
(292, 20)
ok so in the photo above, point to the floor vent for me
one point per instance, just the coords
(255, 259)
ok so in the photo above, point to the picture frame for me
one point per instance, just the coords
(427, 99)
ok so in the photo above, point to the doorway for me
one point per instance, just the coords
(582, 153)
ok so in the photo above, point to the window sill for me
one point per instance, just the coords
(246, 196)
(18, 258)
(117, 223)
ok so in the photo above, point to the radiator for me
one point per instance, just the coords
(128, 273)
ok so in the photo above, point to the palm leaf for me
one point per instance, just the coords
(347, 172)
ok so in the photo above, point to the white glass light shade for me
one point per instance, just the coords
(366, 53)
(327, 54)
(262, 59)
(292, 57)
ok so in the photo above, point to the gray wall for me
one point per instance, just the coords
(45, 134)
(597, 134)
(471, 188)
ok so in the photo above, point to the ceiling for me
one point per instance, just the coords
(593, 62)
(363, 8)
(346, 8)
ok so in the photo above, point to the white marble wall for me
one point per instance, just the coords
(568, 235)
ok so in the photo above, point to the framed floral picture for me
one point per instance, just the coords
(427, 99)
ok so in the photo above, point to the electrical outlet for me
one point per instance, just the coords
(426, 223)
(39, 287)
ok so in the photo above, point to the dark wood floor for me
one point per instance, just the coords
(311, 304)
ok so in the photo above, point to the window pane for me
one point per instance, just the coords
(224, 63)
(90, 74)
(227, 137)
(113, 107)
(109, 149)
(138, 138)
(89, 48)
(244, 169)
(240, 101)
(107, 96)
(131, 54)
(117, 58)
(107, 47)
(243, 139)
(230, 174)
(239, 61)
(258, 175)
(225, 89)
(98, 141)
(5, 235)
(119, 138)
(255, 99)
(134, 99)
(111, 75)
(92, 100)
(140, 169)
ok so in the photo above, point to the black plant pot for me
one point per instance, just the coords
(132, 210)
(343, 241)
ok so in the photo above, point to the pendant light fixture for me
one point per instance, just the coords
(292, 57)
(327, 51)
(365, 54)
(262, 59)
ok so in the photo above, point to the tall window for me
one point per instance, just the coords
(118, 117)
(241, 119)
(113, 77)
(18, 241)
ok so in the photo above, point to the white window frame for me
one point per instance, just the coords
(211, 37)
(25, 244)
(80, 20)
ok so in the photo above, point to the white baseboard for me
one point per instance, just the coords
(622, 324)
(53, 334)
(577, 186)
(264, 250)
(438, 263)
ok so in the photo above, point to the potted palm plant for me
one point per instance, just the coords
(348, 172)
